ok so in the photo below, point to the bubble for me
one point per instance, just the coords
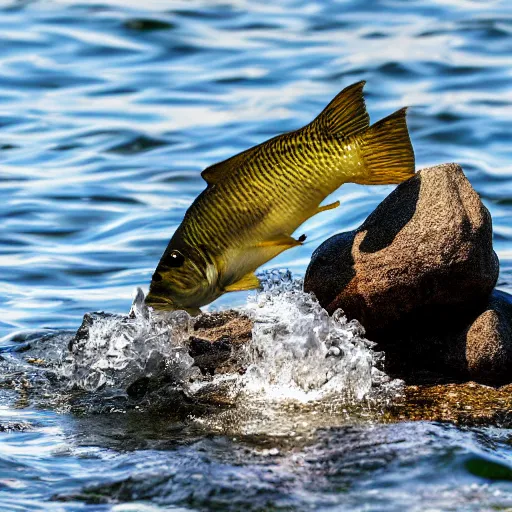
(298, 353)
(115, 351)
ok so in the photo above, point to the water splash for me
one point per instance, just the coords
(298, 352)
(115, 351)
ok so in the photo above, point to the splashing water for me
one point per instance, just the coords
(109, 110)
(298, 352)
(114, 351)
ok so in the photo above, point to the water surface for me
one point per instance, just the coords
(109, 110)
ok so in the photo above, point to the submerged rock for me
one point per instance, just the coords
(15, 427)
(468, 404)
(426, 247)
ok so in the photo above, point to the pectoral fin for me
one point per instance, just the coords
(248, 282)
(327, 207)
(284, 241)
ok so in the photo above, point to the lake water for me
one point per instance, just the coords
(108, 113)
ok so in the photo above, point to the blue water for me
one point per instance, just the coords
(109, 110)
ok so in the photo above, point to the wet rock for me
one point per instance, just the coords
(427, 247)
(214, 326)
(217, 339)
(208, 355)
(140, 387)
(82, 334)
(468, 404)
(478, 349)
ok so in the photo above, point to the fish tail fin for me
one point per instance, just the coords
(345, 115)
(386, 152)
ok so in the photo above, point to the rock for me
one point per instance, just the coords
(208, 355)
(82, 334)
(479, 349)
(426, 248)
(487, 342)
(214, 326)
(468, 404)
(217, 339)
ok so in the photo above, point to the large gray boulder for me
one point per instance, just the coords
(426, 249)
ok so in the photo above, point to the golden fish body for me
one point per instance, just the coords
(256, 200)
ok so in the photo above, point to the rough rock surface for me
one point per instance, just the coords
(427, 247)
(478, 349)
(467, 404)
(486, 344)
(216, 340)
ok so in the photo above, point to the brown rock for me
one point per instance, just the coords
(214, 326)
(479, 349)
(467, 404)
(216, 339)
(487, 342)
(426, 247)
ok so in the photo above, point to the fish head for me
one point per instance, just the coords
(184, 279)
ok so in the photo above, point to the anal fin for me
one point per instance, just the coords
(193, 311)
(324, 208)
(248, 282)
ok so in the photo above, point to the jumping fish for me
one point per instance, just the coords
(255, 200)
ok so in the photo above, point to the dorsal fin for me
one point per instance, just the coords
(220, 170)
(345, 115)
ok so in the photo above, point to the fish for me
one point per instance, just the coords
(255, 201)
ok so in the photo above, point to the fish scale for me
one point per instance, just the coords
(255, 200)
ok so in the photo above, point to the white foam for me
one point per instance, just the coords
(298, 352)
(116, 351)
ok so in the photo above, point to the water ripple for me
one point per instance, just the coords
(110, 109)
(109, 112)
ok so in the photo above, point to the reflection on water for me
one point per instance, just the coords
(108, 114)
(109, 110)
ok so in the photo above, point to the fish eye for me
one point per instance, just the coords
(176, 259)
